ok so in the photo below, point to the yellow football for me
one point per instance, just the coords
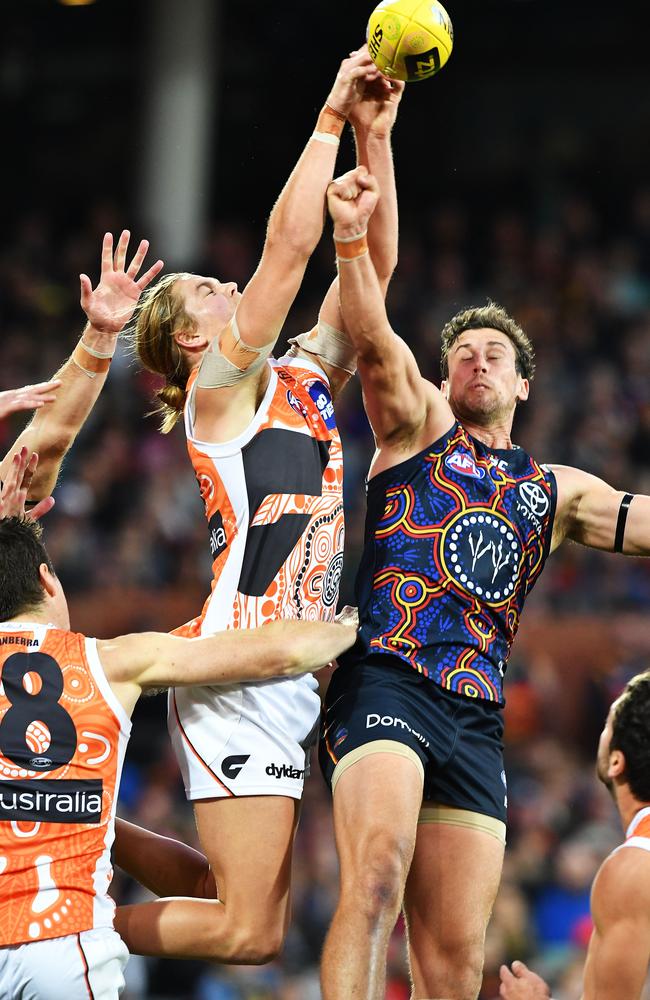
(410, 39)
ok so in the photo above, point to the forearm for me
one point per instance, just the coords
(298, 216)
(165, 866)
(55, 426)
(311, 645)
(362, 304)
(375, 153)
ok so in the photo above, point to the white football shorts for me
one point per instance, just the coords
(245, 739)
(74, 967)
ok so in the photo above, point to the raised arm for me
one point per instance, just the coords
(279, 649)
(400, 404)
(296, 221)
(593, 513)
(109, 308)
(372, 118)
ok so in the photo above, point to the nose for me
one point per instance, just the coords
(480, 365)
(230, 288)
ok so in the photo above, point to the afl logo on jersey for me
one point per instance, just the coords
(463, 462)
(296, 404)
(481, 553)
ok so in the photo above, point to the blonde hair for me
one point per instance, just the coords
(488, 317)
(160, 314)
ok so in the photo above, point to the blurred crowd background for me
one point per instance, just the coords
(523, 176)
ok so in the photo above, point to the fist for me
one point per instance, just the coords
(351, 200)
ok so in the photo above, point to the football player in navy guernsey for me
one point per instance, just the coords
(459, 524)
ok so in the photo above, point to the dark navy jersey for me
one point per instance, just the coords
(456, 536)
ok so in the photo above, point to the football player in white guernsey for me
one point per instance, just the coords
(267, 455)
(619, 949)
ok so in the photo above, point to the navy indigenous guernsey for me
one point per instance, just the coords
(456, 537)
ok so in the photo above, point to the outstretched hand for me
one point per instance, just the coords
(376, 109)
(14, 490)
(110, 306)
(355, 73)
(351, 200)
(522, 984)
(30, 397)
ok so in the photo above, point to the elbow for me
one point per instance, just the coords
(291, 238)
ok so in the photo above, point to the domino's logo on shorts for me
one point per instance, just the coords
(389, 721)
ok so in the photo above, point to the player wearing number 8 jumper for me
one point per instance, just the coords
(65, 707)
(459, 524)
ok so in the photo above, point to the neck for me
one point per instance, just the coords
(628, 806)
(40, 616)
(495, 436)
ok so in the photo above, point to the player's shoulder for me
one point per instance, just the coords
(622, 883)
(300, 367)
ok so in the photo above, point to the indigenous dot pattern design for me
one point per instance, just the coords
(455, 539)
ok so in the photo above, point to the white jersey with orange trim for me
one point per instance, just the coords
(638, 832)
(274, 504)
(63, 736)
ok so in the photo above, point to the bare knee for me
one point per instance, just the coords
(453, 969)
(376, 888)
(248, 939)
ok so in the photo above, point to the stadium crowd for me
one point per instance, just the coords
(128, 537)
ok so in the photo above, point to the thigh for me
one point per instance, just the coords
(248, 842)
(377, 800)
(450, 891)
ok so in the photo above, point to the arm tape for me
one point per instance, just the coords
(331, 345)
(230, 360)
(620, 523)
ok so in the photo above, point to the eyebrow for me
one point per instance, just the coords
(490, 343)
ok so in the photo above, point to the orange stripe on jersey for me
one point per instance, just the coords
(642, 829)
(61, 750)
(195, 752)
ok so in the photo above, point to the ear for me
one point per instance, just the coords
(444, 388)
(616, 766)
(47, 579)
(190, 339)
(524, 389)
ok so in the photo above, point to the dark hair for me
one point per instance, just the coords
(21, 554)
(631, 734)
(489, 317)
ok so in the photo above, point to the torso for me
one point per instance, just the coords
(274, 504)
(61, 752)
(456, 537)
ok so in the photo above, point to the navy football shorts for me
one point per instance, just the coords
(458, 740)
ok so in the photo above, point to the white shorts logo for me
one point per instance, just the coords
(373, 719)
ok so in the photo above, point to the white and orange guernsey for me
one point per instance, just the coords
(63, 736)
(274, 504)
